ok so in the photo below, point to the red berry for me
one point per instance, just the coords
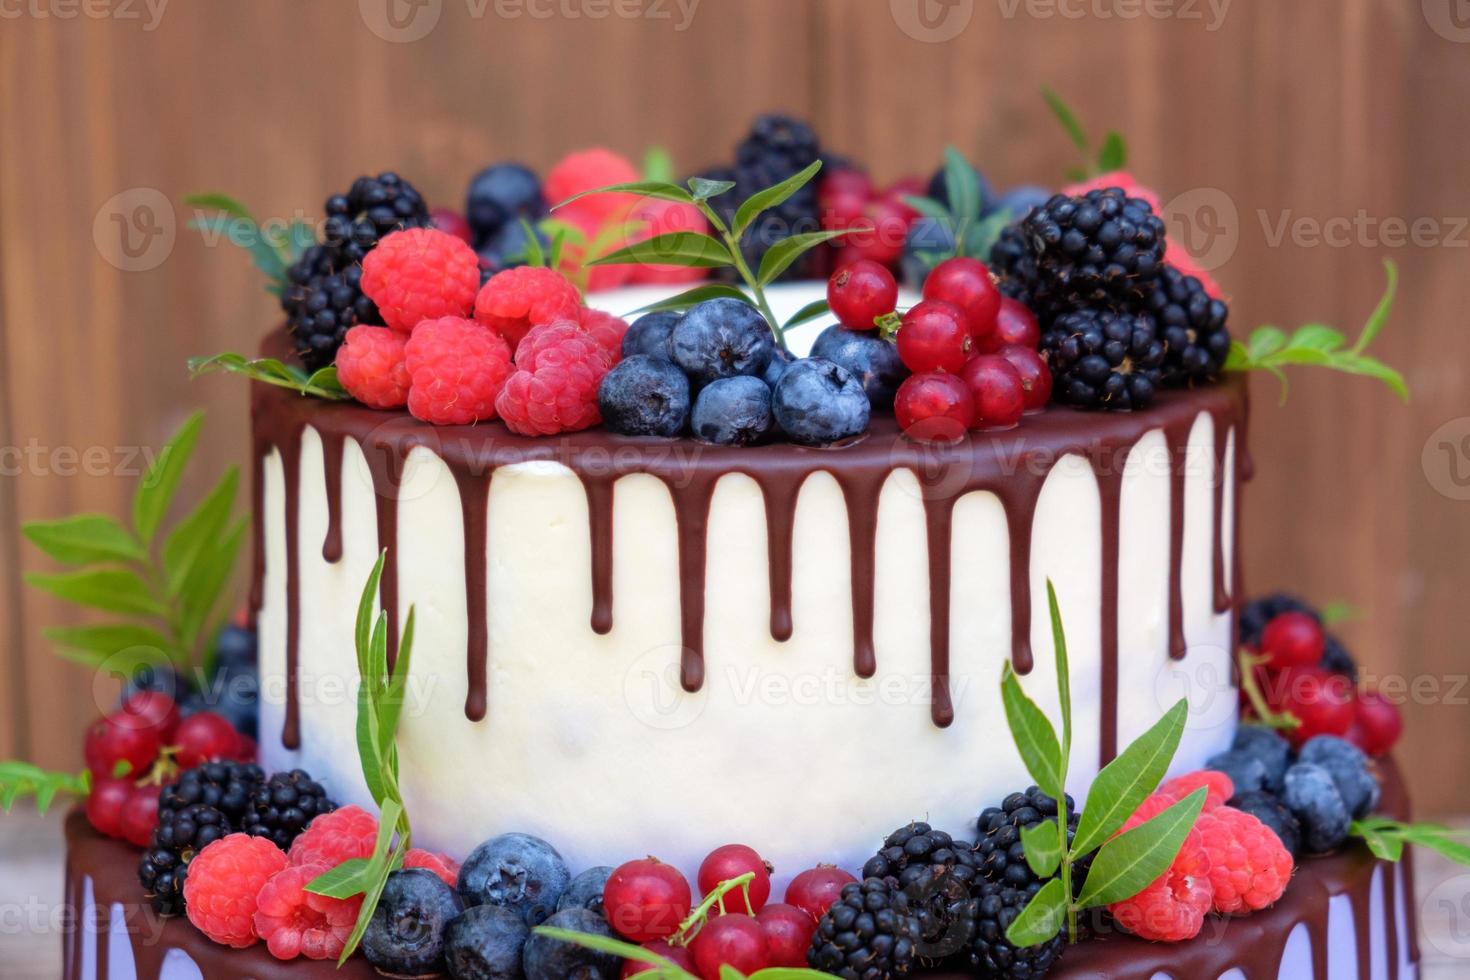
(1322, 701)
(861, 292)
(150, 709)
(225, 879)
(879, 235)
(515, 300)
(1218, 787)
(118, 746)
(1034, 372)
(788, 931)
(451, 222)
(419, 274)
(1249, 867)
(456, 369)
(814, 890)
(934, 407)
(105, 805)
(1293, 639)
(729, 940)
(646, 899)
(679, 955)
(934, 337)
(205, 737)
(1014, 324)
(331, 838)
(371, 366)
(843, 198)
(295, 922)
(967, 284)
(904, 187)
(559, 367)
(1000, 395)
(140, 815)
(1380, 723)
(732, 861)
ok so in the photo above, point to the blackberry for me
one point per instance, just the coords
(223, 786)
(1002, 859)
(989, 914)
(935, 873)
(1012, 260)
(1193, 326)
(1256, 613)
(869, 933)
(1096, 250)
(282, 806)
(1104, 359)
(180, 835)
(373, 207)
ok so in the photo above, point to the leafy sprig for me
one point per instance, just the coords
(273, 251)
(1110, 155)
(19, 779)
(692, 249)
(163, 587)
(973, 235)
(380, 699)
(321, 383)
(1386, 838)
(1125, 864)
(1271, 349)
(664, 969)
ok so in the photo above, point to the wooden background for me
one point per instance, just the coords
(1310, 110)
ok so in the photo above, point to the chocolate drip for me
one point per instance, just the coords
(780, 499)
(1390, 909)
(385, 463)
(691, 511)
(1020, 508)
(939, 513)
(1110, 497)
(332, 444)
(290, 450)
(258, 449)
(1217, 537)
(861, 492)
(474, 491)
(1178, 462)
(600, 494)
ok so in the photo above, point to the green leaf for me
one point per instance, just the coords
(200, 593)
(929, 208)
(268, 370)
(1371, 367)
(1042, 918)
(962, 184)
(1068, 119)
(156, 491)
(391, 706)
(1265, 341)
(1035, 738)
(604, 944)
(1125, 782)
(1064, 677)
(783, 973)
(695, 296)
(703, 190)
(1114, 153)
(1385, 847)
(267, 255)
(111, 590)
(683, 248)
(220, 202)
(773, 196)
(1338, 612)
(84, 539)
(1379, 318)
(534, 254)
(1043, 847)
(106, 641)
(811, 311)
(202, 527)
(19, 779)
(1132, 861)
(352, 877)
(1316, 336)
(662, 190)
(982, 236)
(658, 165)
(782, 254)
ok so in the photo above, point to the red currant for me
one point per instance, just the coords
(248, 749)
(934, 407)
(934, 337)
(140, 815)
(105, 805)
(967, 284)
(205, 737)
(1380, 723)
(788, 932)
(646, 900)
(729, 940)
(904, 187)
(1323, 702)
(1034, 372)
(814, 890)
(1000, 396)
(732, 861)
(880, 233)
(843, 198)
(115, 746)
(1014, 324)
(1293, 639)
(860, 292)
(151, 709)
(675, 954)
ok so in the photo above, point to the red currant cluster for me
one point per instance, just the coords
(141, 747)
(876, 221)
(649, 902)
(1287, 672)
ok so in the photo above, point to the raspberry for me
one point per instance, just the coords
(420, 274)
(446, 867)
(1174, 907)
(515, 300)
(330, 839)
(371, 367)
(588, 170)
(559, 367)
(223, 881)
(456, 368)
(607, 329)
(294, 922)
(1249, 866)
(1220, 787)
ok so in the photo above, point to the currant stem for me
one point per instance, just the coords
(1269, 718)
(683, 935)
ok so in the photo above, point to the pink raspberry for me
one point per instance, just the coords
(420, 274)
(456, 368)
(1219, 785)
(574, 252)
(554, 389)
(587, 170)
(370, 366)
(446, 867)
(294, 922)
(222, 884)
(345, 833)
(605, 328)
(1173, 907)
(1249, 866)
(515, 300)
(656, 218)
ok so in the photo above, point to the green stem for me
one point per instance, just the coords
(743, 268)
(1269, 718)
(683, 935)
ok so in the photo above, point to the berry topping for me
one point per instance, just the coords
(499, 196)
(104, 806)
(788, 931)
(1016, 325)
(998, 390)
(867, 933)
(139, 815)
(371, 366)
(1093, 249)
(585, 891)
(722, 338)
(456, 370)
(226, 786)
(587, 170)
(1312, 796)
(545, 958)
(1102, 359)
(1264, 744)
(442, 865)
(405, 936)
(644, 395)
(282, 806)
(331, 838)
(515, 871)
(559, 367)
(934, 407)
(732, 861)
(224, 880)
(814, 890)
(119, 745)
(935, 336)
(420, 274)
(205, 737)
(515, 300)
(818, 403)
(1218, 788)
(1172, 908)
(1380, 723)
(651, 334)
(1323, 702)
(868, 357)
(733, 412)
(1035, 375)
(990, 954)
(860, 292)
(966, 284)
(1245, 772)
(1193, 325)
(1266, 808)
(451, 222)
(736, 941)
(646, 899)
(485, 943)
(606, 329)
(180, 836)
(1249, 866)
(152, 710)
(1292, 639)
(998, 848)
(295, 922)
(1350, 770)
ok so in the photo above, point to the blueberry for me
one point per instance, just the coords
(939, 189)
(553, 959)
(498, 195)
(733, 412)
(1018, 201)
(585, 891)
(644, 396)
(233, 694)
(867, 357)
(485, 943)
(235, 646)
(650, 334)
(406, 934)
(1268, 809)
(781, 359)
(1313, 798)
(1349, 769)
(158, 677)
(1246, 772)
(1268, 746)
(818, 402)
(722, 338)
(929, 241)
(518, 872)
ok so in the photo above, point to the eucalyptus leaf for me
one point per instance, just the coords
(682, 248)
(1068, 119)
(1042, 918)
(1042, 845)
(1127, 781)
(1133, 860)
(662, 190)
(693, 297)
(1034, 736)
(703, 190)
(962, 184)
(84, 539)
(929, 208)
(1379, 317)
(1317, 336)
(603, 944)
(1064, 676)
(1114, 153)
(771, 197)
(782, 254)
(321, 384)
(200, 593)
(658, 165)
(246, 234)
(111, 590)
(192, 537)
(156, 491)
(811, 311)
(20, 779)
(351, 877)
